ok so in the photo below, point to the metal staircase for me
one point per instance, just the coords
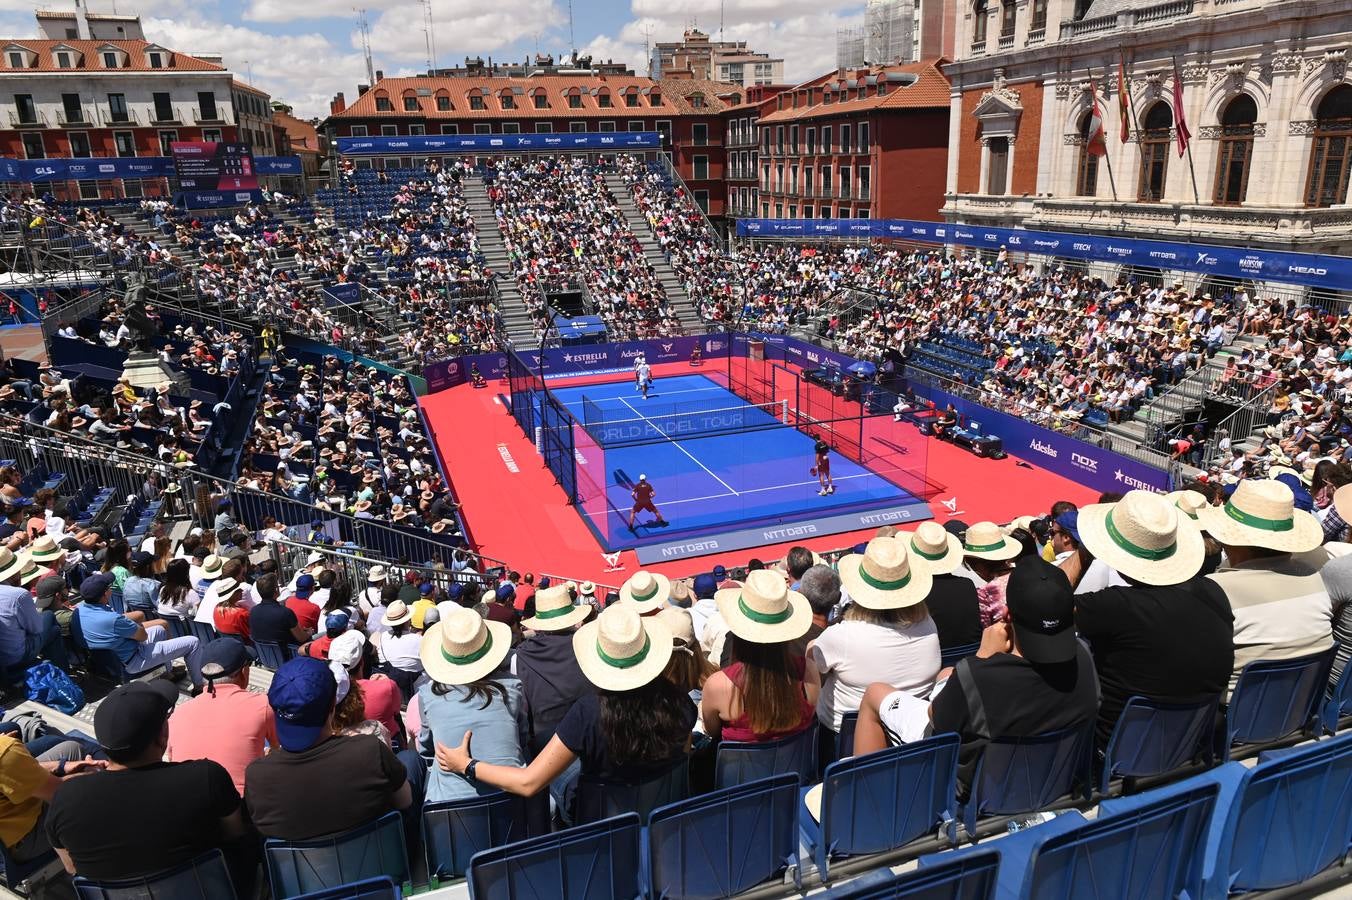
(512, 307)
(677, 297)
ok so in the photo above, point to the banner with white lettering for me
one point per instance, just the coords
(471, 143)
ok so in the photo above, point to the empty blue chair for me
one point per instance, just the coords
(724, 842)
(598, 799)
(115, 602)
(590, 862)
(203, 878)
(204, 632)
(1277, 699)
(1283, 821)
(1340, 702)
(739, 762)
(1153, 738)
(455, 830)
(881, 801)
(370, 889)
(374, 849)
(968, 876)
(272, 655)
(1027, 774)
(952, 655)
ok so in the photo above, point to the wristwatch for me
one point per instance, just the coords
(60, 771)
(469, 769)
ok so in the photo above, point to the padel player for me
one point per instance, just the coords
(823, 468)
(638, 379)
(643, 500)
(645, 376)
(695, 359)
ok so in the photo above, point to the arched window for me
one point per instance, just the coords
(1236, 149)
(979, 18)
(1331, 158)
(1086, 172)
(1154, 138)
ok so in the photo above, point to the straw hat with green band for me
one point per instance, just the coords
(933, 545)
(646, 591)
(464, 647)
(621, 650)
(986, 540)
(554, 610)
(1188, 502)
(763, 610)
(883, 577)
(1145, 537)
(1262, 513)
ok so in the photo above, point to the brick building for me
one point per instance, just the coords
(866, 143)
(688, 113)
(80, 92)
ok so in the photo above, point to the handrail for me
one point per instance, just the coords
(1239, 425)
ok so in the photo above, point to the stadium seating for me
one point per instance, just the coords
(600, 799)
(1153, 738)
(738, 763)
(1278, 700)
(1022, 775)
(455, 830)
(371, 850)
(598, 859)
(203, 878)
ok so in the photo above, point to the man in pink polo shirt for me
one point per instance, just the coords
(225, 723)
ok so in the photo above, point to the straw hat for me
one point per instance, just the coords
(212, 566)
(44, 550)
(1145, 537)
(882, 577)
(679, 622)
(464, 647)
(227, 588)
(554, 610)
(986, 540)
(932, 545)
(397, 613)
(763, 610)
(681, 594)
(376, 575)
(1262, 514)
(10, 565)
(1342, 505)
(646, 591)
(1188, 502)
(31, 570)
(621, 650)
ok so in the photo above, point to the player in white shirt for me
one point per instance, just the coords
(645, 376)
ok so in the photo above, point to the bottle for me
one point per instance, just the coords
(1038, 819)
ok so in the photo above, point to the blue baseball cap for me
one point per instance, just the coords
(705, 585)
(426, 588)
(95, 586)
(720, 572)
(455, 591)
(506, 590)
(302, 697)
(1069, 522)
(336, 621)
(305, 585)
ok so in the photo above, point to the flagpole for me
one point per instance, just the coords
(1107, 155)
(1196, 197)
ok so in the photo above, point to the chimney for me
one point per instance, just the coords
(337, 104)
(380, 75)
(81, 21)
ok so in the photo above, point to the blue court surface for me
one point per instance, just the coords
(717, 491)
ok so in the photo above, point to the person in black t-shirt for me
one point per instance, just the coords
(272, 623)
(952, 600)
(142, 815)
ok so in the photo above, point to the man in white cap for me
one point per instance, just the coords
(643, 494)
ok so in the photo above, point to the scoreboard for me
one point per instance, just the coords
(214, 166)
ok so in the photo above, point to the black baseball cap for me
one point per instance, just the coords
(1042, 611)
(131, 716)
(225, 656)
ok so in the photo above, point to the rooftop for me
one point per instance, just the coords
(919, 85)
(88, 56)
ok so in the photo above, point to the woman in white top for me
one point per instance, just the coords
(885, 634)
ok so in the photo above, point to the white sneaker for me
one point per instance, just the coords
(821, 493)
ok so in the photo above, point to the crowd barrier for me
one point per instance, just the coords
(1310, 269)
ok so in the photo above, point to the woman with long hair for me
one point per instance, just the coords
(761, 695)
(634, 728)
(470, 689)
(141, 591)
(117, 561)
(164, 552)
(178, 597)
(689, 668)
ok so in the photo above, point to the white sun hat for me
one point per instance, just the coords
(882, 577)
(1144, 537)
(1262, 513)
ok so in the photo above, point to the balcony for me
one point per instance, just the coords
(979, 48)
(1007, 41)
(1128, 19)
(73, 118)
(119, 117)
(209, 117)
(167, 116)
(37, 120)
(1037, 35)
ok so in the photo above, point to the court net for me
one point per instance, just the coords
(609, 430)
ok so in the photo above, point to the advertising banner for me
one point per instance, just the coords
(217, 199)
(214, 166)
(278, 165)
(1313, 269)
(98, 168)
(496, 143)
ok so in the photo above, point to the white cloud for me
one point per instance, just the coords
(462, 27)
(305, 70)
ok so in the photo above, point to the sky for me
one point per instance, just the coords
(305, 51)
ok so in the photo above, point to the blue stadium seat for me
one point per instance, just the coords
(16, 873)
(455, 830)
(370, 889)
(204, 632)
(739, 762)
(952, 655)
(374, 849)
(271, 655)
(967, 876)
(1027, 774)
(1153, 738)
(725, 842)
(598, 799)
(1339, 703)
(1282, 822)
(203, 878)
(1277, 699)
(885, 800)
(599, 860)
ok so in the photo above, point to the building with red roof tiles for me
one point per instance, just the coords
(299, 138)
(93, 86)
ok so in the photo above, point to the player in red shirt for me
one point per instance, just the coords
(823, 468)
(643, 499)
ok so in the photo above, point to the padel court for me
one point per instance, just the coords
(728, 474)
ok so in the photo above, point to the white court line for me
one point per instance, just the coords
(773, 487)
(678, 446)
